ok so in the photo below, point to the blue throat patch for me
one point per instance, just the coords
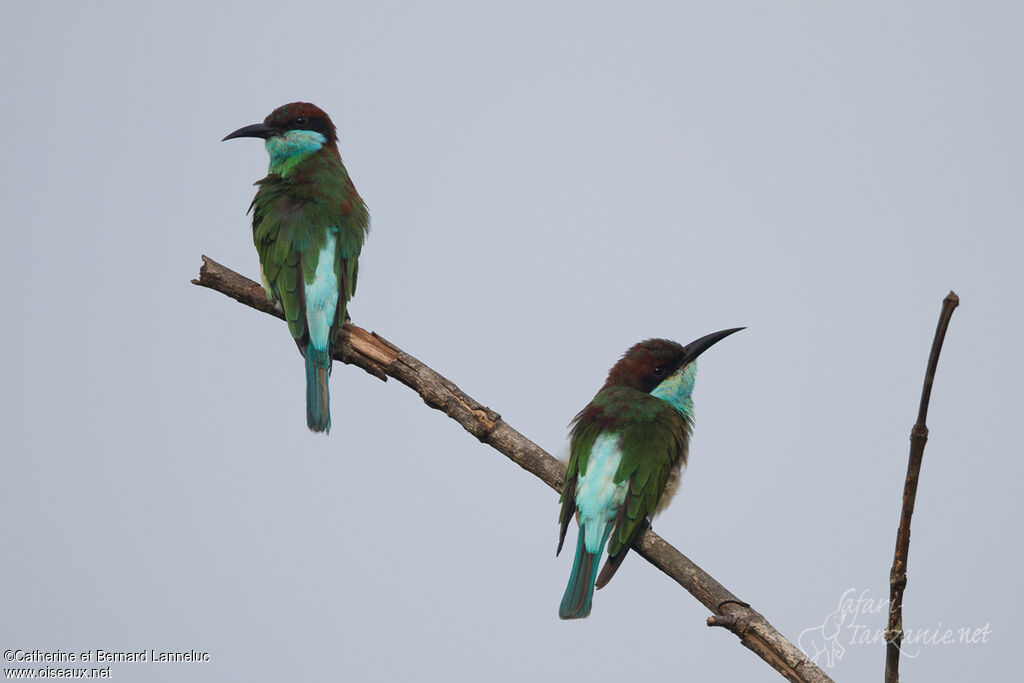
(678, 389)
(289, 149)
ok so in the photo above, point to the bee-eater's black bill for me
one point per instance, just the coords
(256, 130)
(699, 346)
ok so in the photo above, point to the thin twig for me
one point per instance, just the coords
(918, 439)
(383, 359)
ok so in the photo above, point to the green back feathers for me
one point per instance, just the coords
(291, 217)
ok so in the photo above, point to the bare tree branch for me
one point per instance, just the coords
(383, 359)
(918, 438)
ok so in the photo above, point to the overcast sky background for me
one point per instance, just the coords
(549, 183)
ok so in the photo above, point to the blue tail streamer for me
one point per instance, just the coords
(318, 402)
(580, 591)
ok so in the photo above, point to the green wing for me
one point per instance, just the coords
(291, 218)
(584, 432)
(652, 447)
(654, 442)
(353, 223)
(284, 229)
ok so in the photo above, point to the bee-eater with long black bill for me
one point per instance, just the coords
(626, 454)
(309, 224)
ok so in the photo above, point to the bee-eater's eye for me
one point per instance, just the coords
(301, 121)
(659, 371)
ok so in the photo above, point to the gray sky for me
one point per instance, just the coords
(549, 183)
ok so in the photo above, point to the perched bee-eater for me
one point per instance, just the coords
(627, 451)
(308, 223)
